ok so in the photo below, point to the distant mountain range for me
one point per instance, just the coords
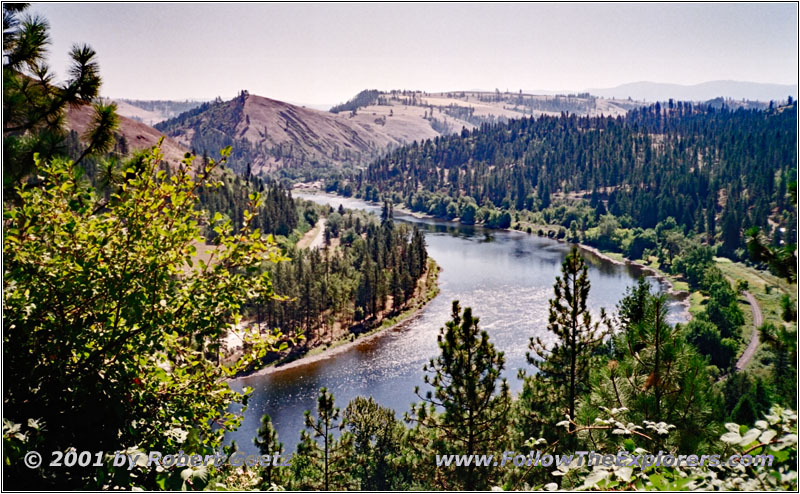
(737, 90)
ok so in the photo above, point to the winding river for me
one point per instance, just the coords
(505, 276)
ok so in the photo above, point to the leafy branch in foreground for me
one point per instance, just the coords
(774, 436)
(111, 330)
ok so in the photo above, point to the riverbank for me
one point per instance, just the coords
(683, 296)
(674, 287)
(427, 290)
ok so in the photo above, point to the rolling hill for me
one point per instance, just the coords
(269, 135)
(737, 90)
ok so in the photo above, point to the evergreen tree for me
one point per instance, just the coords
(566, 365)
(782, 345)
(34, 106)
(473, 399)
(322, 461)
(654, 372)
(267, 443)
(377, 437)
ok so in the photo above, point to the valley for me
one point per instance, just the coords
(388, 291)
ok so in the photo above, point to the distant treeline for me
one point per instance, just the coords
(167, 107)
(362, 99)
(277, 215)
(712, 170)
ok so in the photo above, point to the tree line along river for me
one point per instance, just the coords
(506, 277)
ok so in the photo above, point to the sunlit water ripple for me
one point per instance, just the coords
(506, 277)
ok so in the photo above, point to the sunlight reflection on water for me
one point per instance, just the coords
(505, 277)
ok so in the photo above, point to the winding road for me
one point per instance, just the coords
(753, 345)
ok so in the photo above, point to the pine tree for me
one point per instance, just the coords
(34, 106)
(322, 461)
(782, 345)
(267, 443)
(566, 365)
(474, 400)
(655, 373)
(377, 439)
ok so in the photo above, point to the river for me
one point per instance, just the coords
(505, 276)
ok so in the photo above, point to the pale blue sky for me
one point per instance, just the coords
(326, 53)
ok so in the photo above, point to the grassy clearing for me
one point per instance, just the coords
(768, 290)
(697, 302)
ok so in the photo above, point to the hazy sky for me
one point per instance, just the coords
(326, 53)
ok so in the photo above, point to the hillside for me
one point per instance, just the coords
(737, 90)
(706, 170)
(151, 112)
(271, 135)
(477, 107)
(136, 134)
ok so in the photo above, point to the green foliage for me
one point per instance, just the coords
(565, 366)
(277, 214)
(775, 435)
(640, 243)
(654, 373)
(373, 273)
(705, 336)
(745, 398)
(34, 105)
(722, 308)
(782, 344)
(322, 461)
(693, 264)
(266, 441)
(364, 98)
(473, 399)
(782, 261)
(377, 445)
(110, 331)
(788, 308)
(652, 165)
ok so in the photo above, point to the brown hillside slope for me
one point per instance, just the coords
(138, 135)
(282, 134)
(271, 134)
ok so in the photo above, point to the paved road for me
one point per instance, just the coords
(757, 321)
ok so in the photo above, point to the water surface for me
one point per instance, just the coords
(506, 277)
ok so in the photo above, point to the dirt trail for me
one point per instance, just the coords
(754, 340)
(313, 238)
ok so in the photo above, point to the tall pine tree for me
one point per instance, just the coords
(466, 413)
(566, 365)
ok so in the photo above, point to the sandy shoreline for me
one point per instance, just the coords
(331, 352)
